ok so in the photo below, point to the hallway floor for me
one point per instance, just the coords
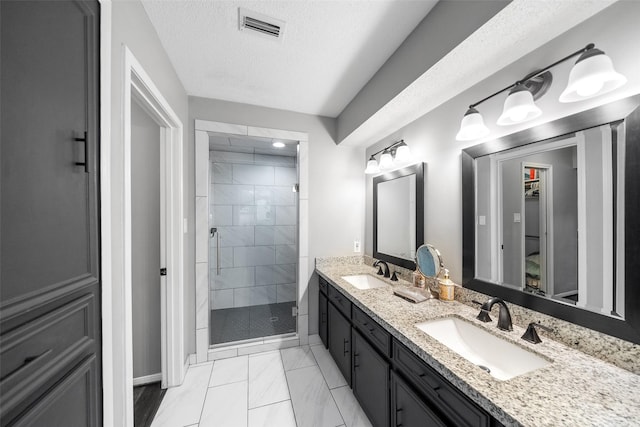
(293, 387)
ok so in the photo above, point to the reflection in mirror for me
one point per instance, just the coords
(398, 215)
(553, 234)
(531, 255)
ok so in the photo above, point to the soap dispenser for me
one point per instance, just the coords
(446, 287)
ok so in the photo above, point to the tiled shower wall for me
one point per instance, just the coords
(253, 207)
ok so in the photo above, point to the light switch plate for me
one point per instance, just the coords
(356, 246)
(482, 220)
(516, 217)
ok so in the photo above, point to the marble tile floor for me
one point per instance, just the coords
(293, 387)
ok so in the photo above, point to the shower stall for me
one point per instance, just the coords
(253, 238)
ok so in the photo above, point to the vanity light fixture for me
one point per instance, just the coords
(278, 144)
(393, 156)
(592, 75)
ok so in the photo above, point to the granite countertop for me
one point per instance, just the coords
(575, 390)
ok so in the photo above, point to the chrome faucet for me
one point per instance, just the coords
(386, 270)
(504, 317)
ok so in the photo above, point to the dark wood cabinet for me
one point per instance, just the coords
(393, 385)
(370, 381)
(323, 319)
(447, 400)
(50, 343)
(408, 409)
(340, 341)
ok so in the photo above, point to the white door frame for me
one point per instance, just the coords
(138, 85)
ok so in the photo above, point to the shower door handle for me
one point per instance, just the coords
(214, 232)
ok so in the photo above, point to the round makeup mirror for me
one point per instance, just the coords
(429, 261)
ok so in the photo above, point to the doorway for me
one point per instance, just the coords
(148, 257)
(139, 89)
(253, 235)
(537, 220)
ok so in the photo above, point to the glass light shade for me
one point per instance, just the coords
(403, 154)
(472, 126)
(372, 166)
(592, 75)
(386, 161)
(519, 107)
(278, 144)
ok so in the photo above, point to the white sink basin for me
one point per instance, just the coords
(502, 359)
(365, 281)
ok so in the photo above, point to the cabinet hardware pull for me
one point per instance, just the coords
(398, 421)
(27, 361)
(344, 346)
(355, 360)
(86, 153)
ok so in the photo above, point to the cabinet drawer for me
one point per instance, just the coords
(378, 336)
(42, 349)
(341, 302)
(445, 397)
(323, 285)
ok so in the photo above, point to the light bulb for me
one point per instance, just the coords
(589, 87)
(472, 126)
(386, 161)
(372, 166)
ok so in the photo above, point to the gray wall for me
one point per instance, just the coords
(145, 242)
(444, 27)
(131, 27)
(336, 179)
(432, 137)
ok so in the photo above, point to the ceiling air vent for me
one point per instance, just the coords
(260, 24)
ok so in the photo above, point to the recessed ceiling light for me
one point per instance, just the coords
(278, 144)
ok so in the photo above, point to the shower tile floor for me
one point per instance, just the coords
(243, 323)
(293, 387)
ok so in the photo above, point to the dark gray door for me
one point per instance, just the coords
(49, 224)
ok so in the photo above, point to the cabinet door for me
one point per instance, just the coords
(322, 311)
(407, 409)
(370, 381)
(339, 331)
(49, 224)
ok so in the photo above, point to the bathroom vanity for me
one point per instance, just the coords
(403, 376)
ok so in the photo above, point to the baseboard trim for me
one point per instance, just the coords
(153, 378)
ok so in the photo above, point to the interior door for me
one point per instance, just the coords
(49, 225)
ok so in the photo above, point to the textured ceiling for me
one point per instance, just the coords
(329, 51)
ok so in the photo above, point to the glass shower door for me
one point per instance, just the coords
(253, 246)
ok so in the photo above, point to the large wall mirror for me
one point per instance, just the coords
(550, 218)
(398, 215)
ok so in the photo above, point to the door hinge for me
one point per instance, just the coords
(294, 311)
(163, 271)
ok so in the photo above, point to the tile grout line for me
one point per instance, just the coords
(206, 392)
(329, 388)
(288, 388)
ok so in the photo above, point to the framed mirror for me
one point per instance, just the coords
(550, 218)
(398, 215)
